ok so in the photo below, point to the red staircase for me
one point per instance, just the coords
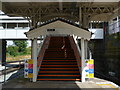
(59, 61)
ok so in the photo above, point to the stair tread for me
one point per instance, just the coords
(61, 79)
(59, 60)
(59, 65)
(48, 58)
(58, 71)
(59, 68)
(59, 75)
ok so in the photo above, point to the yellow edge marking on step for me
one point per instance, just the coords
(108, 85)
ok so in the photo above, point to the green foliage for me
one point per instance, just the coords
(12, 50)
(21, 44)
(19, 48)
(28, 50)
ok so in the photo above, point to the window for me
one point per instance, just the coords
(3, 25)
(23, 25)
(97, 25)
(11, 25)
(50, 29)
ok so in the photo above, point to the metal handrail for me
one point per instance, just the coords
(76, 52)
(42, 51)
(11, 68)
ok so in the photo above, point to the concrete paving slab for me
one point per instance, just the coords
(25, 83)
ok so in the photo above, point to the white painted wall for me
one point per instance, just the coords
(13, 33)
(61, 28)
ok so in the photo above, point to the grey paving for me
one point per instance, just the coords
(25, 83)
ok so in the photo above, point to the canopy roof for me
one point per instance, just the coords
(58, 26)
(48, 10)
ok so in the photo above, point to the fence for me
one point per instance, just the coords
(10, 68)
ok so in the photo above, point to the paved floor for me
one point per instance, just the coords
(93, 83)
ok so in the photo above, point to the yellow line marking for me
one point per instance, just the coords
(108, 85)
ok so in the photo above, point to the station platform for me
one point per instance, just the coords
(95, 83)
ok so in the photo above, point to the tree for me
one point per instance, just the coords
(21, 44)
(12, 50)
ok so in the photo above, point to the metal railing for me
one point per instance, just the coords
(8, 68)
(76, 52)
(42, 51)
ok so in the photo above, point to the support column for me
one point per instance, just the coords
(2, 52)
(85, 21)
(80, 17)
(34, 57)
(118, 24)
(86, 49)
(32, 49)
(82, 59)
(0, 5)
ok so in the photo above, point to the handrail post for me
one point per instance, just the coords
(19, 64)
(5, 74)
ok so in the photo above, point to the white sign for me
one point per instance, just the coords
(97, 33)
(26, 69)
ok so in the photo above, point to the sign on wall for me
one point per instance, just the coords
(28, 68)
(89, 68)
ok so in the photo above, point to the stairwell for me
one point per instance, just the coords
(59, 61)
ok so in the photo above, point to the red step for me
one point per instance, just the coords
(58, 71)
(61, 75)
(59, 65)
(60, 79)
(59, 68)
(59, 60)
